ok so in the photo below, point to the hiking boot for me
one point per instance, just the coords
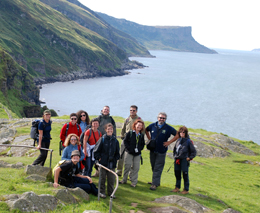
(133, 185)
(96, 174)
(184, 192)
(102, 195)
(122, 182)
(153, 187)
(175, 190)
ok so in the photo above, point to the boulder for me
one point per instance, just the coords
(7, 165)
(30, 202)
(168, 209)
(79, 193)
(232, 145)
(184, 202)
(38, 170)
(229, 210)
(35, 177)
(7, 132)
(65, 196)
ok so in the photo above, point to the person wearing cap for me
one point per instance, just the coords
(44, 139)
(67, 174)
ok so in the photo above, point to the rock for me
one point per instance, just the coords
(65, 196)
(79, 193)
(168, 209)
(6, 140)
(30, 202)
(10, 197)
(232, 145)
(229, 210)
(7, 132)
(38, 170)
(7, 165)
(186, 203)
(35, 177)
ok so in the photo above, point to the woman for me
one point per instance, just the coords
(91, 137)
(107, 154)
(72, 143)
(184, 151)
(134, 144)
(82, 119)
(44, 139)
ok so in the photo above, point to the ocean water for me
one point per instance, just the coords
(216, 92)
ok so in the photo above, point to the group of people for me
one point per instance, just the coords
(99, 143)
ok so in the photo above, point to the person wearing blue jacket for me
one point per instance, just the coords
(72, 143)
(184, 151)
(159, 131)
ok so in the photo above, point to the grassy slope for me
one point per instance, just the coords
(226, 183)
(87, 18)
(43, 36)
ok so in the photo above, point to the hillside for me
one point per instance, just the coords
(159, 37)
(224, 175)
(79, 13)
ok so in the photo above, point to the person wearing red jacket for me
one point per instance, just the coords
(71, 127)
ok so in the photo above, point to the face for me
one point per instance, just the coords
(83, 116)
(105, 111)
(182, 134)
(95, 124)
(139, 126)
(47, 116)
(133, 111)
(75, 159)
(161, 119)
(73, 140)
(73, 120)
(109, 131)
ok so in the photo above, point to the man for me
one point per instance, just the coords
(104, 119)
(127, 126)
(67, 174)
(71, 127)
(160, 132)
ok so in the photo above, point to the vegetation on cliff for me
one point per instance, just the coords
(217, 183)
(159, 38)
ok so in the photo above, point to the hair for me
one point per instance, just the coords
(162, 113)
(136, 122)
(106, 106)
(109, 125)
(79, 116)
(134, 106)
(93, 120)
(73, 114)
(183, 129)
(67, 141)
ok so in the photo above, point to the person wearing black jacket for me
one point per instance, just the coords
(184, 151)
(106, 152)
(134, 144)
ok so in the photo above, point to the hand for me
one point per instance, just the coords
(188, 159)
(166, 144)
(38, 147)
(56, 185)
(89, 178)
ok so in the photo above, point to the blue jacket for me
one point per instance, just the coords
(163, 137)
(66, 154)
(183, 149)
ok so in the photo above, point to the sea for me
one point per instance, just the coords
(215, 92)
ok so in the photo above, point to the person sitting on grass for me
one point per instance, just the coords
(72, 143)
(184, 151)
(67, 174)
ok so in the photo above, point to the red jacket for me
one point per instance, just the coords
(71, 129)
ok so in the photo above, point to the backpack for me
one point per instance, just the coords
(57, 165)
(34, 129)
(83, 133)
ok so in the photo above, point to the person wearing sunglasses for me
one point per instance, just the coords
(71, 127)
(159, 132)
(82, 119)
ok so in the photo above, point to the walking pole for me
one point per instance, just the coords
(170, 167)
(99, 182)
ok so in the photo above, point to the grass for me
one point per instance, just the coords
(225, 182)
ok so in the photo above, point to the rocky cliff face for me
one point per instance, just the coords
(17, 87)
(160, 38)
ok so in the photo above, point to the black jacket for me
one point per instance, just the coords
(106, 151)
(184, 148)
(130, 143)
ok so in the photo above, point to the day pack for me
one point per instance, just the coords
(57, 165)
(34, 130)
(83, 133)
